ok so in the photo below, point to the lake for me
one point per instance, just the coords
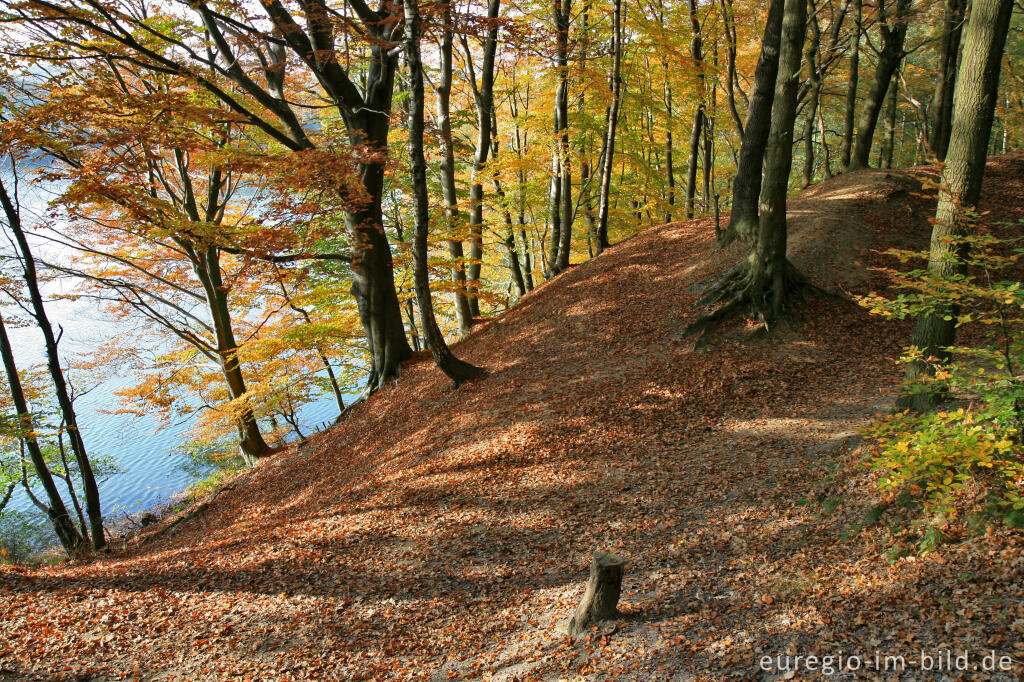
(149, 462)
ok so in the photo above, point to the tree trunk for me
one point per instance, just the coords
(601, 598)
(601, 237)
(207, 267)
(889, 144)
(977, 89)
(60, 387)
(63, 525)
(483, 96)
(457, 370)
(554, 210)
(696, 131)
(562, 12)
(941, 109)
(764, 282)
(463, 311)
(815, 80)
(894, 32)
(746, 185)
(771, 243)
(851, 85)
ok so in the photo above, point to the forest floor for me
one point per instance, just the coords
(440, 534)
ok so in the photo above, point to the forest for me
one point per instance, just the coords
(720, 301)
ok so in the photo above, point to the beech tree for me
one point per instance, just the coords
(457, 370)
(977, 92)
(12, 212)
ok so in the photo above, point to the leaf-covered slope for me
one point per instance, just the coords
(444, 533)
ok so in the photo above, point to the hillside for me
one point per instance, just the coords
(442, 533)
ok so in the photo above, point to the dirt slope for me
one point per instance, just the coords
(445, 534)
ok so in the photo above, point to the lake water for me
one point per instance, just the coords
(150, 465)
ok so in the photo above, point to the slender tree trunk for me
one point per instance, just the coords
(815, 80)
(941, 109)
(483, 96)
(696, 131)
(729, 24)
(554, 211)
(457, 370)
(63, 525)
(207, 266)
(60, 387)
(463, 311)
(747, 184)
(976, 92)
(889, 144)
(894, 31)
(851, 85)
(562, 13)
(601, 237)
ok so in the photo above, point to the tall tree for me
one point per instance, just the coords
(483, 98)
(60, 385)
(941, 109)
(456, 369)
(63, 525)
(443, 89)
(237, 57)
(700, 113)
(746, 186)
(893, 29)
(850, 113)
(611, 126)
(976, 95)
(766, 280)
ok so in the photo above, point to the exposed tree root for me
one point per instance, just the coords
(767, 296)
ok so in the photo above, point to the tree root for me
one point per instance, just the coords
(748, 291)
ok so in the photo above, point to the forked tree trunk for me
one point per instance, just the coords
(746, 186)
(63, 525)
(60, 386)
(977, 89)
(457, 370)
(894, 32)
(764, 282)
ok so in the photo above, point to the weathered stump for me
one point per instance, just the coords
(602, 594)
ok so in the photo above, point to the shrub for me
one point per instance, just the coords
(965, 456)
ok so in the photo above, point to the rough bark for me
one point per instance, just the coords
(893, 29)
(976, 92)
(746, 186)
(457, 370)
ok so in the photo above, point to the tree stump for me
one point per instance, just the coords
(602, 594)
